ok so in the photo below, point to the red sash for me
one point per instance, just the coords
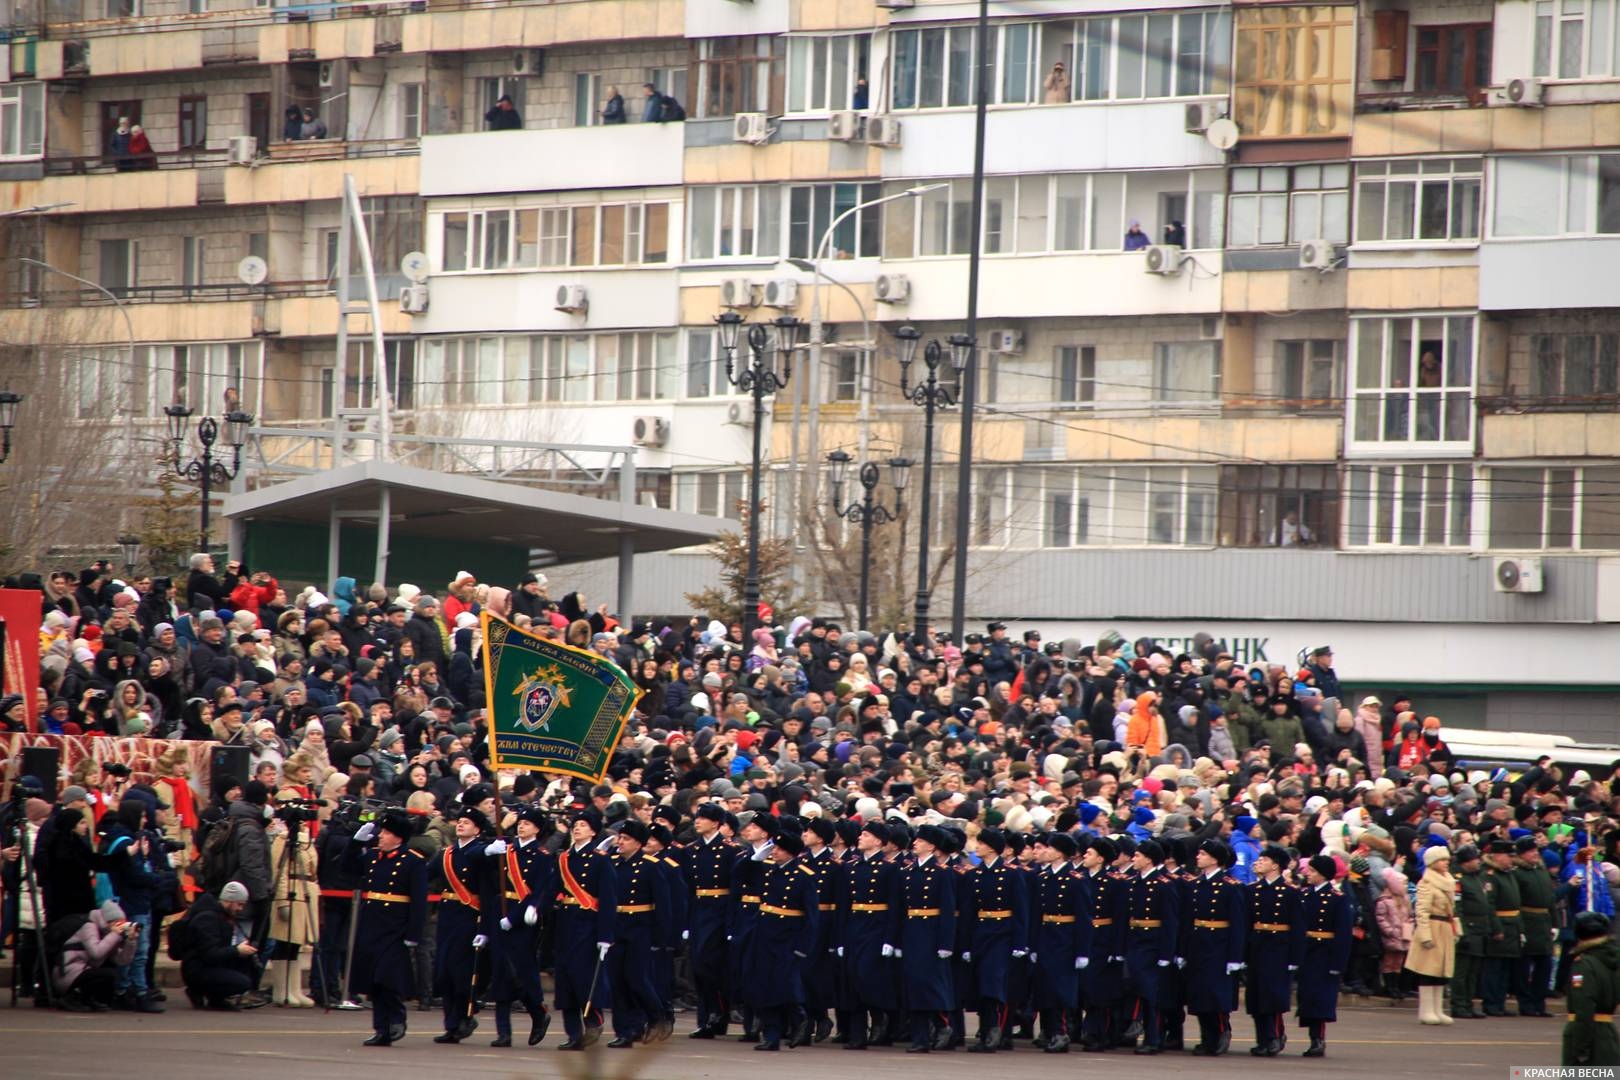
(572, 885)
(462, 892)
(519, 886)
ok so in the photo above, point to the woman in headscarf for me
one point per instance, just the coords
(764, 650)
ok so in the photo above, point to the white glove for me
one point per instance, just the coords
(1081, 962)
(366, 831)
(967, 958)
(799, 954)
(1333, 973)
(1034, 957)
(1019, 954)
(888, 951)
(495, 847)
(1233, 969)
(530, 916)
(480, 940)
(1164, 963)
(686, 935)
(840, 951)
(898, 955)
(1293, 967)
(764, 853)
(602, 948)
(410, 944)
(1181, 962)
(944, 954)
(506, 924)
(1116, 959)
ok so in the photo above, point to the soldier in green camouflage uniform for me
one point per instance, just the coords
(1478, 916)
(1594, 990)
(1536, 899)
(1504, 946)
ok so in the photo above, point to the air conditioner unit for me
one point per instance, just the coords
(882, 131)
(649, 431)
(572, 299)
(891, 289)
(529, 62)
(1162, 259)
(1518, 575)
(843, 126)
(740, 414)
(1522, 92)
(736, 292)
(781, 293)
(1317, 255)
(244, 149)
(413, 299)
(328, 75)
(750, 127)
(1006, 342)
(1201, 114)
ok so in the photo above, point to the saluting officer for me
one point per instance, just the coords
(707, 866)
(1060, 925)
(393, 911)
(1153, 923)
(468, 890)
(586, 903)
(1503, 947)
(641, 926)
(773, 970)
(1102, 981)
(526, 870)
(869, 917)
(1274, 948)
(1213, 936)
(1327, 918)
(927, 937)
(995, 907)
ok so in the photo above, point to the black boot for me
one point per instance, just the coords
(539, 1023)
(1318, 1048)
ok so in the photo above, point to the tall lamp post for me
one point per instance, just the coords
(204, 470)
(929, 395)
(759, 377)
(867, 511)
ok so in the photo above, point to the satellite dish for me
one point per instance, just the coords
(414, 265)
(1222, 133)
(253, 270)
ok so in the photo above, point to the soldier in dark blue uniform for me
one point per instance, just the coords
(1060, 936)
(525, 870)
(1325, 914)
(467, 885)
(1178, 859)
(1153, 921)
(640, 926)
(393, 910)
(1273, 950)
(747, 879)
(927, 938)
(660, 843)
(773, 969)
(586, 901)
(707, 867)
(1102, 982)
(995, 907)
(1213, 933)
(821, 969)
(869, 917)
(953, 1031)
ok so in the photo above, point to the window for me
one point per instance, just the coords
(1409, 505)
(712, 494)
(846, 376)
(1573, 365)
(1294, 71)
(1102, 506)
(1187, 371)
(491, 89)
(822, 71)
(22, 120)
(192, 270)
(734, 222)
(705, 366)
(360, 387)
(1308, 374)
(588, 99)
(120, 266)
(1282, 204)
(410, 110)
(1414, 380)
(1533, 509)
(1173, 55)
(193, 123)
(811, 210)
(1279, 506)
(1453, 59)
(934, 68)
(201, 374)
(1576, 39)
(738, 74)
(637, 366)
(1077, 374)
(1557, 195)
(670, 81)
(1437, 199)
(619, 234)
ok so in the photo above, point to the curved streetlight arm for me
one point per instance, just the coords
(129, 325)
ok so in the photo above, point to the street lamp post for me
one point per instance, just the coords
(204, 470)
(867, 511)
(760, 378)
(930, 395)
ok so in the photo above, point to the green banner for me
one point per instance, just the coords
(552, 707)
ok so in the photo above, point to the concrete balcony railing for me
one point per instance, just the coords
(571, 158)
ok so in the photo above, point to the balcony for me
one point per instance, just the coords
(571, 158)
(1592, 429)
(174, 314)
(525, 301)
(1568, 272)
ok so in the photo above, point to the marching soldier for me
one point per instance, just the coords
(586, 904)
(869, 918)
(1504, 947)
(707, 866)
(467, 887)
(953, 1032)
(773, 970)
(526, 870)
(640, 928)
(659, 843)
(1536, 900)
(1478, 916)
(1327, 918)
(1060, 936)
(1153, 921)
(1594, 991)
(1213, 935)
(1179, 853)
(1275, 945)
(1102, 980)
(393, 910)
(821, 968)
(927, 937)
(747, 881)
(995, 907)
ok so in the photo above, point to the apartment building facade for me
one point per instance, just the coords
(1366, 397)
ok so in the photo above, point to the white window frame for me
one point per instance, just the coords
(752, 209)
(1450, 174)
(1578, 198)
(814, 85)
(1596, 54)
(1405, 505)
(1098, 515)
(412, 98)
(1286, 189)
(1389, 405)
(1172, 358)
(18, 140)
(1311, 360)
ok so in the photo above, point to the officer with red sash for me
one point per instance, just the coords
(467, 884)
(586, 905)
(526, 870)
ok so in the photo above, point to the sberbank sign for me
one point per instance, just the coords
(1244, 650)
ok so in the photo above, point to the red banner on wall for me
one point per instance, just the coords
(19, 610)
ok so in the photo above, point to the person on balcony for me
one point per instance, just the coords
(503, 115)
(118, 145)
(141, 154)
(313, 127)
(1135, 238)
(613, 108)
(292, 124)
